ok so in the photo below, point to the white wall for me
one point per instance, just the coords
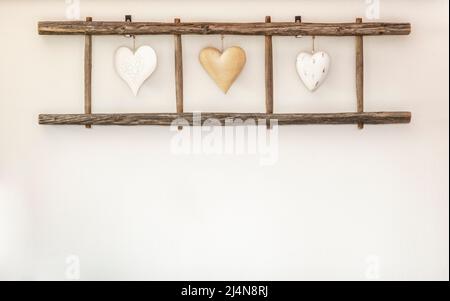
(338, 204)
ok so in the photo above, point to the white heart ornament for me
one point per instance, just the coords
(313, 68)
(135, 67)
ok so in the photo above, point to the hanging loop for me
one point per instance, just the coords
(313, 44)
(129, 18)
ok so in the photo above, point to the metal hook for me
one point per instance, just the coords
(298, 19)
(128, 18)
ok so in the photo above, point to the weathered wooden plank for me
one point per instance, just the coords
(179, 71)
(360, 74)
(269, 71)
(88, 73)
(205, 28)
(166, 119)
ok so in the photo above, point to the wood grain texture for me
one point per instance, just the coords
(205, 28)
(269, 71)
(360, 73)
(179, 70)
(88, 73)
(167, 119)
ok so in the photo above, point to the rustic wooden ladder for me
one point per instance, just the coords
(268, 29)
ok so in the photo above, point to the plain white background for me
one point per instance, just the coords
(339, 204)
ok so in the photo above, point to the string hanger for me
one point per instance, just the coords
(298, 19)
(222, 37)
(313, 44)
(129, 18)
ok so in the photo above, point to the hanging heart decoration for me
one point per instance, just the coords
(223, 67)
(135, 67)
(313, 68)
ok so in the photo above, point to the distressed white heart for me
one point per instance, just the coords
(313, 68)
(135, 67)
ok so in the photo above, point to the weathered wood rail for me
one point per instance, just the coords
(203, 28)
(168, 118)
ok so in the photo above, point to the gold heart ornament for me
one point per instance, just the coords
(223, 67)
